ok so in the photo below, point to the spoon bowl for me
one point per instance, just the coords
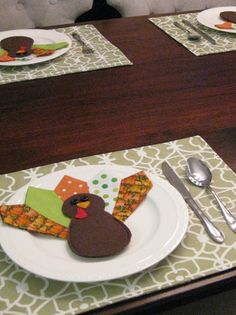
(200, 175)
(193, 36)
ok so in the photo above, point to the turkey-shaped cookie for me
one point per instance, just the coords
(229, 16)
(93, 232)
(17, 46)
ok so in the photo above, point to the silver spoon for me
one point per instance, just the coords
(191, 36)
(200, 175)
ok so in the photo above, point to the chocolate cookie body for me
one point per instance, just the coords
(17, 46)
(229, 16)
(92, 231)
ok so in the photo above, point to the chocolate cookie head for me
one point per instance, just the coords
(17, 46)
(229, 16)
(83, 205)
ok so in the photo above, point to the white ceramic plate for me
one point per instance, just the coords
(157, 226)
(40, 37)
(210, 17)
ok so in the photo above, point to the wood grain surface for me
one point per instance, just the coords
(167, 94)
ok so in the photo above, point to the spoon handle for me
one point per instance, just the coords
(229, 218)
(211, 229)
(177, 24)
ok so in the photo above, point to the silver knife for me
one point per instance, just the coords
(203, 34)
(174, 180)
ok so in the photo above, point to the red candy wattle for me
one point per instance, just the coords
(81, 213)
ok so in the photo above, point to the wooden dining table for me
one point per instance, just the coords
(167, 94)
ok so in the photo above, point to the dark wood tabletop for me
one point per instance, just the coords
(168, 93)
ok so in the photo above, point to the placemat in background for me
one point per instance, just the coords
(106, 56)
(24, 293)
(224, 41)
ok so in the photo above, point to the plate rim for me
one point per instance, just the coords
(178, 233)
(217, 9)
(36, 60)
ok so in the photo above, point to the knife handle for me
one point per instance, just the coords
(216, 234)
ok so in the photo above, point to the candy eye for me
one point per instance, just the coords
(84, 198)
(74, 201)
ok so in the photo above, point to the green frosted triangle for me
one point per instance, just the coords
(54, 46)
(47, 203)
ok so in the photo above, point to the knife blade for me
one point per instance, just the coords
(175, 181)
(203, 34)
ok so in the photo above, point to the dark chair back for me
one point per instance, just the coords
(100, 11)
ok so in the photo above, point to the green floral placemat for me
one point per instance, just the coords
(106, 56)
(23, 293)
(224, 41)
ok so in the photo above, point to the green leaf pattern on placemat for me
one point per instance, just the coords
(224, 41)
(106, 56)
(24, 293)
